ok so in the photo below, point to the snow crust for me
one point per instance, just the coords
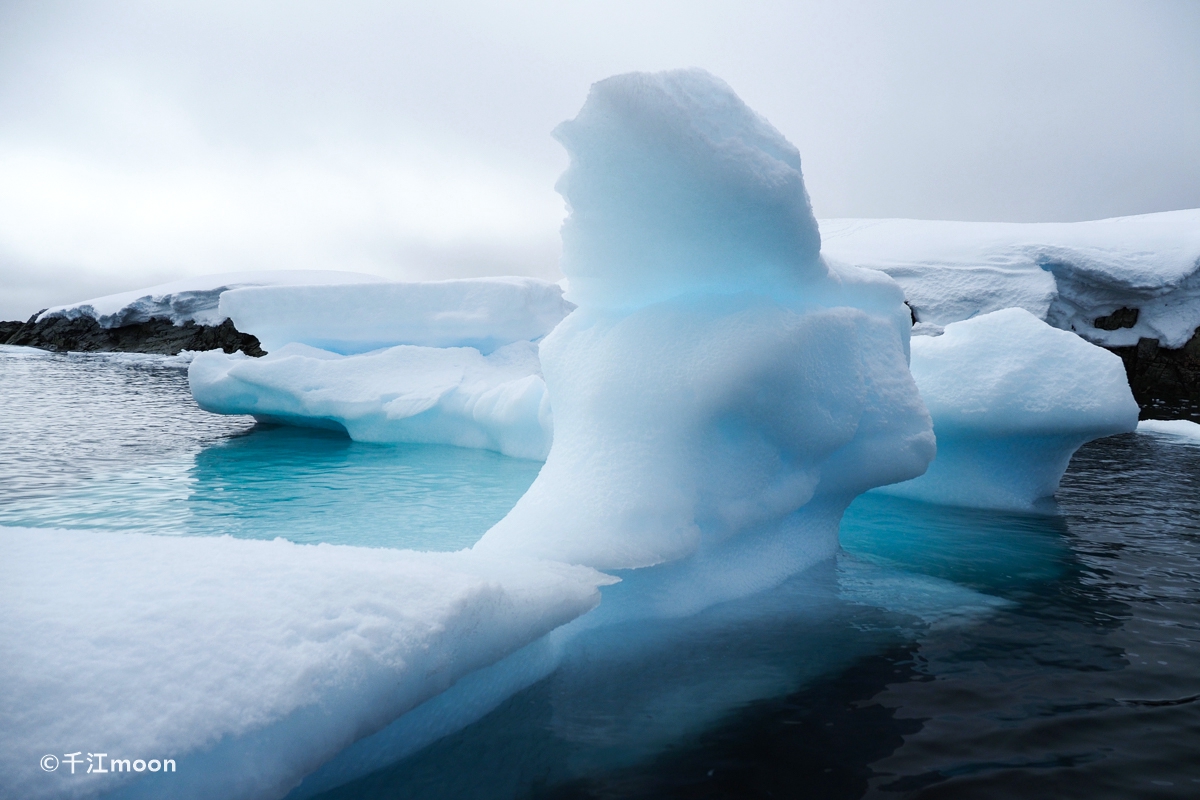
(1012, 399)
(1068, 274)
(192, 299)
(248, 662)
(452, 395)
(1178, 428)
(722, 392)
(484, 313)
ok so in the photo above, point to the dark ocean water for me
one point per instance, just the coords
(946, 653)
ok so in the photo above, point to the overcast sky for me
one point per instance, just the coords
(145, 141)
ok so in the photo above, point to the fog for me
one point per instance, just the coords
(142, 142)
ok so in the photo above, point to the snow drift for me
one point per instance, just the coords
(191, 299)
(1072, 275)
(1012, 399)
(722, 392)
(250, 663)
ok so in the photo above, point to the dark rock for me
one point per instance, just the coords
(1165, 382)
(1121, 318)
(159, 336)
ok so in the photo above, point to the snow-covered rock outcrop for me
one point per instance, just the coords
(1012, 399)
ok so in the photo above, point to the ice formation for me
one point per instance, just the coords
(1177, 428)
(452, 362)
(249, 663)
(483, 313)
(1072, 275)
(435, 395)
(1012, 398)
(192, 299)
(721, 393)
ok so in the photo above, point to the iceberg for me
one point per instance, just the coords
(483, 313)
(1112, 281)
(1012, 399)
(248, 663)
(191, 299)
(407, 393)
(722, 392)
(1181, 429)
(434, 362)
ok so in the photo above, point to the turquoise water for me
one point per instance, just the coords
(116, 442)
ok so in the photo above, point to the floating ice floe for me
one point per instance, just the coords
(247, 663)
(434, 395)
(1112, 281)
(458, 364)
(1178, 428)
(1012, 399)
(192, 299)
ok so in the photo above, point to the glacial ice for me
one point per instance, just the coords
(483, 313)
(248, 662)
(1068, 274)
(433, 395)
(192, 299)
(721, 393)
(1012, 399)
(1175, 428)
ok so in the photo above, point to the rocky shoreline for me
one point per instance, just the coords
(157, 336)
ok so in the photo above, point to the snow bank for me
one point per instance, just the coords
(484, 313)
(1180, 428)
(453, 395)
(721, 393)
(1012, 399)
(249, 663)
(1069, 274)
(191, 299)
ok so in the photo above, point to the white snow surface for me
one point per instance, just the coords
(1178, 428)
(484, 313)
(1068, 274)
(451, 395)
(721, 393)
(192, 299)
(248, 662)
(1012, 399)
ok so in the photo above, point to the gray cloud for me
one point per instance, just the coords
(140, 141)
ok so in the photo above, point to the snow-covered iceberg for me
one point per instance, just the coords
(434, 395)
(248, 663)
(1175, 428)
(483, 313)
(450, 362)
(1112, 281)
(194, 299)
(722, 392)
(1012, 399)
